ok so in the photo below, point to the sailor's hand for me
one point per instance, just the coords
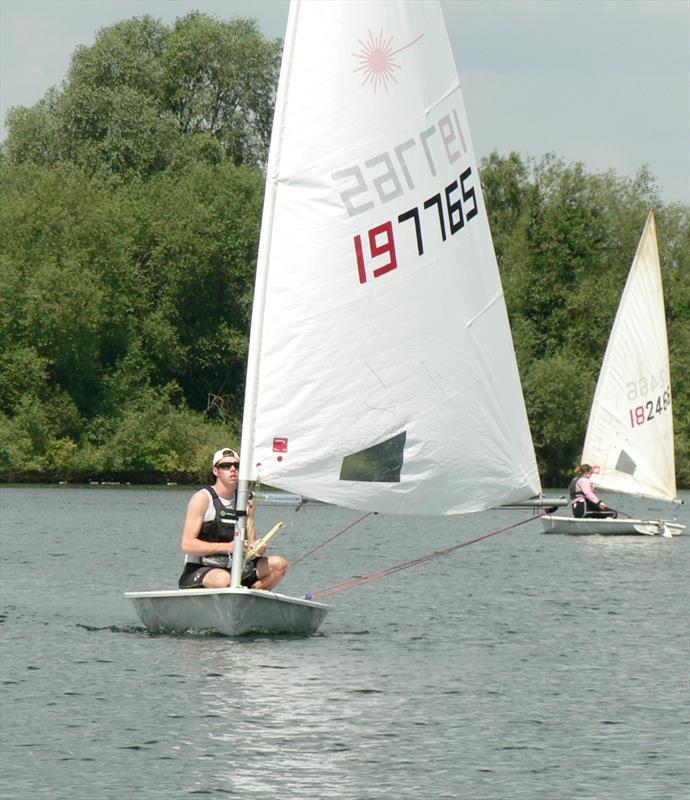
(251, 545)
(251, 509)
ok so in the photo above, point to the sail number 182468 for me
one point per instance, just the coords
(650, 409)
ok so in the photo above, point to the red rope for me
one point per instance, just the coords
(335, 536)
(319, 594)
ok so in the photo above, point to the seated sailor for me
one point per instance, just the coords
(209, 531)
(583, 500)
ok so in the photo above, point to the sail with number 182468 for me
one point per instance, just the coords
(381, 372)
(629, 440)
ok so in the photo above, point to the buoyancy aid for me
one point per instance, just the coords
(219, 529)
(222, 527)
(574, 490)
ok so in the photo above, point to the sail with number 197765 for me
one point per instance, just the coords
(381, 373)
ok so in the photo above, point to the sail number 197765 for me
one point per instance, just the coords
(456, 205)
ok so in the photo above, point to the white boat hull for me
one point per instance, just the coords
(610, 527)
(229, 612)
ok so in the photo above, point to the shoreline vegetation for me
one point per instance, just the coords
(129, 228)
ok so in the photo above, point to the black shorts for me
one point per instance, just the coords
(585, 508)
(193, 574)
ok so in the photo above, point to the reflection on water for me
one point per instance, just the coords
(526, 666)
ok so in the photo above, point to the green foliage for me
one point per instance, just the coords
(220, 78)
(673, 225)
(129, 229)
(558, 396)
(565, 241)
(24, 373)
(34, 134)
(128, 233)
(68, 289)
(110, 293)
(146, 98)
(196, 266)
(154, 434)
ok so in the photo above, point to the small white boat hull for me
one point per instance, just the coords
(229, 612)
(610, 527)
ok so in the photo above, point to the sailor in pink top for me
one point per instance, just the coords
(587, 490)
(583, 500)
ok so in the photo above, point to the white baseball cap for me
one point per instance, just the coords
(225, 452)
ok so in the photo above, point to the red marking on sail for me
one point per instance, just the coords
(377, 60)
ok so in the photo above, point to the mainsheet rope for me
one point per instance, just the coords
(327, 591)
(329, 540)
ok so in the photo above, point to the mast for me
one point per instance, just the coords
(247, 469)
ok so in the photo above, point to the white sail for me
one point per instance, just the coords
(629, 439)
(382, 374)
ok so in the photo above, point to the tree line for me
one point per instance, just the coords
(129, 229)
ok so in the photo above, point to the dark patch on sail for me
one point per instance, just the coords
(625, 463)
(380, 463)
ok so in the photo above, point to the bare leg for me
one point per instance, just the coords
(216, 579)
(270, 570)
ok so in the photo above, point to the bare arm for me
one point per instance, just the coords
(193, 522)
(588, 490)
(251, 528)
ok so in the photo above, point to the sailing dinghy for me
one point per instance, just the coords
(629, 440)
(381, 373)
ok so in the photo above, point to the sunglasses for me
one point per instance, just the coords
(229, 465)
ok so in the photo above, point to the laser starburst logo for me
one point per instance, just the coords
(377, 60)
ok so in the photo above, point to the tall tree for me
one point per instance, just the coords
(146, 97)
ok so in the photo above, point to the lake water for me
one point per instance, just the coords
(523, 667)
